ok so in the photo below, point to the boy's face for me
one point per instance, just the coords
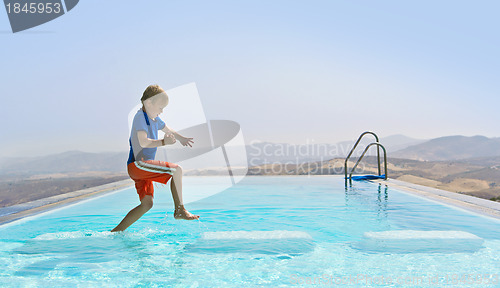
(155, 105)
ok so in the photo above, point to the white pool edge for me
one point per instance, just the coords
(464, 202)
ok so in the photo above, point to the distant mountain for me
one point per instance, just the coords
(451, 148)
(258, 153)
(267, 152)
(67, 162)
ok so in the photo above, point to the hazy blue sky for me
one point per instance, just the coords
(287, 71)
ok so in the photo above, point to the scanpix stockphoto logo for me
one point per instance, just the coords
(26, 14)
(218, 146)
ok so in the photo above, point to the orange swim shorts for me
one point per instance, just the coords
(145, 172)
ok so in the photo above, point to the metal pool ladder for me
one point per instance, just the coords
(362, 155)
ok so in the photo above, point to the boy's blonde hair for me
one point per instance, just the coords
(151, 91)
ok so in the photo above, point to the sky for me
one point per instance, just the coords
(286, 71)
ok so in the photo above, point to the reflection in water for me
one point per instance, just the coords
(356, 197)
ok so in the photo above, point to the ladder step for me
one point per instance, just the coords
(367, 177)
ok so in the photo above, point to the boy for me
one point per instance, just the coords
(142, 167)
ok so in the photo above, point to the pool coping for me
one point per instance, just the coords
(470, 203)
(31, 208)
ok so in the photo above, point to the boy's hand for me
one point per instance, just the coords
(185, 141)
(169, 138)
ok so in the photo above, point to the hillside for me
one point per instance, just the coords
(461, 164)
(257, 153)
(31, 178)
(16, 190)
(480, 179)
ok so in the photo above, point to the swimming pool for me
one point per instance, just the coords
(264, 231)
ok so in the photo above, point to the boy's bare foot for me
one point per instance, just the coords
(181, 213)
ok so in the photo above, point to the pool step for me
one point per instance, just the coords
(276, 234)
(415, 241)
(258, 242)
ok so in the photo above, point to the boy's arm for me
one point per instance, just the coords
(146, 142)
(185, 141)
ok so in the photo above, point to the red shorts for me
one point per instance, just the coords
(145, 172)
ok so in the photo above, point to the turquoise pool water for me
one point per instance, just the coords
(300, 231)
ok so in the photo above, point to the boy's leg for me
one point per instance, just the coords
(176, 187)
(135, 214)
(160, 171)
